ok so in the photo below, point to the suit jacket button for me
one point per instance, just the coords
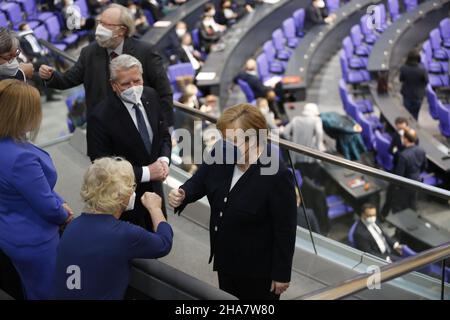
(221, 214)
(215, 228)
(225, 199)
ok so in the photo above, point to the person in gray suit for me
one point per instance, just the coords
(114, 36)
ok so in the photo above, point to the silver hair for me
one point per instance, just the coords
(123, 62)
(7, 40)
(126, 18)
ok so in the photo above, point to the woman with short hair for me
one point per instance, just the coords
(253, 207)
(96, 249)
(30, 210)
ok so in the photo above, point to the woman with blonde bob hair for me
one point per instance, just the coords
(101, 246)
(253, 211)
(30, 210)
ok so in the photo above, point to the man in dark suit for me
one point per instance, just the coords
(414, 79)
(317, 13)
(370, 238)
(130, 123)
(113, 37)
(411, 161)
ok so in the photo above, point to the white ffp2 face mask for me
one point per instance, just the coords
(103, 36)
(131, 202)
(132, 95)
(9, 69)
(371, 220)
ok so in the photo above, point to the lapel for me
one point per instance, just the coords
(241, 183)
(126, 123)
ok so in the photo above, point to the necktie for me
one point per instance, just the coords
(113, 55)
(142, 128)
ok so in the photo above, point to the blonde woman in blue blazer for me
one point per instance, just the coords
(30, 210)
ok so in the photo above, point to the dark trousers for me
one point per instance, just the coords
(246, 288)
(413, 106)
(398, 199)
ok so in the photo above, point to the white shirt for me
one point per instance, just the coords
(193, 60)
(237, 174)
(129, 106)
(376, 233)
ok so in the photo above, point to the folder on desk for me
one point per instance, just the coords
(205, 76)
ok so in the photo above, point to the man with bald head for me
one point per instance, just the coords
(114, 36)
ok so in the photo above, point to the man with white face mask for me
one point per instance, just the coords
(114, 36)
(370, 238)
(10, 68)
(130, 123)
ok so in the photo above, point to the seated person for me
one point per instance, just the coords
(97, 247)
(227, 15)
(301, 219)
(210, 30)
(317, 13)
(154, 6)
(187, 53)
(370, 238)
(189, 96)
(263, 105)
(140, 20)
(250, 75)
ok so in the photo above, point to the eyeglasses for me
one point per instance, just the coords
(98, 21)
(10, 59)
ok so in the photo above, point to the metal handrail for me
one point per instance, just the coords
(377, 173)
(388, 272)
(355, 166)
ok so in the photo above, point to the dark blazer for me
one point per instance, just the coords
(411, 162)
(111, 132)
(366, 243)
(315, 15)
(258, 87)
(414, 79)
(92, 69)
(252, 228)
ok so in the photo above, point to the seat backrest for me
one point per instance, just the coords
(382, 11)
(289, 28)
(407, 252)
(343, 93)
(435, 39)
(364, 24)
(278, 39)
(367, 130)
(427, 50)
(41, 32)
(347, 45)
(394, 9)
(356, 35)
(444, 116)
(444, 28)
(29, 7)
(247, 90)
(351, 233)
(195, 33)
(263, 66)
(3, 20)
(432, 101)
(382, 143)
(299, 18)
(84, 10)
(269, 50)
(180, 70)
(53, 27)
(13, 11)
(332, 5)
(410, 5)
(344, 66)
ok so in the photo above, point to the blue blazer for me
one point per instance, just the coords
(30, 211)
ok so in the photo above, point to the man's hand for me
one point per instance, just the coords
(45, 72)
(279, 287)
(151, 201)
(176, 197)
(165, 168)
(156, 171)
(27, 69)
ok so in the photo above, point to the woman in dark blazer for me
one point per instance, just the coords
(253, 208)
(30, 210)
